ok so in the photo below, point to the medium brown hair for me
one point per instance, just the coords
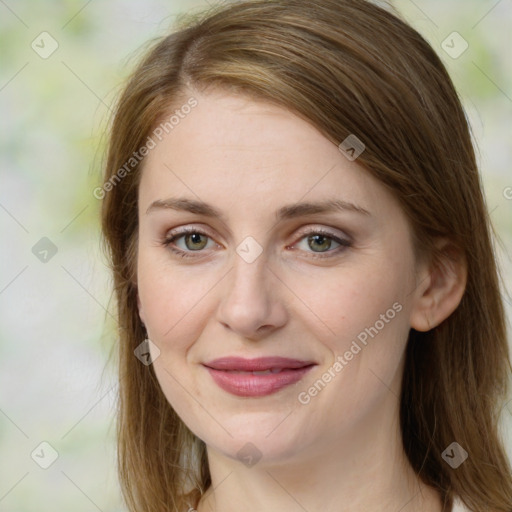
(348, 67)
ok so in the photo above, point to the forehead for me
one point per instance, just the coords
(235, 150)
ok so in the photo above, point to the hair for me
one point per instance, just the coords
(347, 67)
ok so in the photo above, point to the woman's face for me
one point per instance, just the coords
(261, 276)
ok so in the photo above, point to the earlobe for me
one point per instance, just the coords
(441, 290)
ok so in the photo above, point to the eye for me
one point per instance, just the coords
(193, 240)
(320, 241)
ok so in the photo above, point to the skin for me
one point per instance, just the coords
(248, 159)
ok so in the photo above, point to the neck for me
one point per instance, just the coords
(363, 470)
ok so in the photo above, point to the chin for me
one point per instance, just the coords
(265, 438)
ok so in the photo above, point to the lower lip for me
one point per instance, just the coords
(247, 384)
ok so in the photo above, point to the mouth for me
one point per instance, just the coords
(257, 377)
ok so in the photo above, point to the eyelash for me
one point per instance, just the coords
(344, 243)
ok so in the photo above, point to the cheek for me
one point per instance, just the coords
(172, 300)
(364, 322)
(341, 303)
(364, 313)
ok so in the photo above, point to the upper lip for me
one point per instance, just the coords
(258, 364)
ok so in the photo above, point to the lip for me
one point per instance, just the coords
(258, 364)
(227, 374)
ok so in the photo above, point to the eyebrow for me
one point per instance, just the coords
(286, 212)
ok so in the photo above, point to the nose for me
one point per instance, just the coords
(251, 304)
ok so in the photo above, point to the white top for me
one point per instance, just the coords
(458, 506)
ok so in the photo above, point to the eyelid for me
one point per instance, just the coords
(331, 232)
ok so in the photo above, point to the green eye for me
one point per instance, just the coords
(317, 241)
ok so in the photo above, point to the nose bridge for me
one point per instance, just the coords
(248, 281)
(250, 268)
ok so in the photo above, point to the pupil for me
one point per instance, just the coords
(316, 238)
(195, 238)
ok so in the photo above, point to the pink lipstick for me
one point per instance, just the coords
(257, 377)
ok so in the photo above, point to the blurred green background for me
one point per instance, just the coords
(56, 328)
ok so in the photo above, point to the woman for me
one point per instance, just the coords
(309, 308)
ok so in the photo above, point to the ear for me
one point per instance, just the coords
(440, 289)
